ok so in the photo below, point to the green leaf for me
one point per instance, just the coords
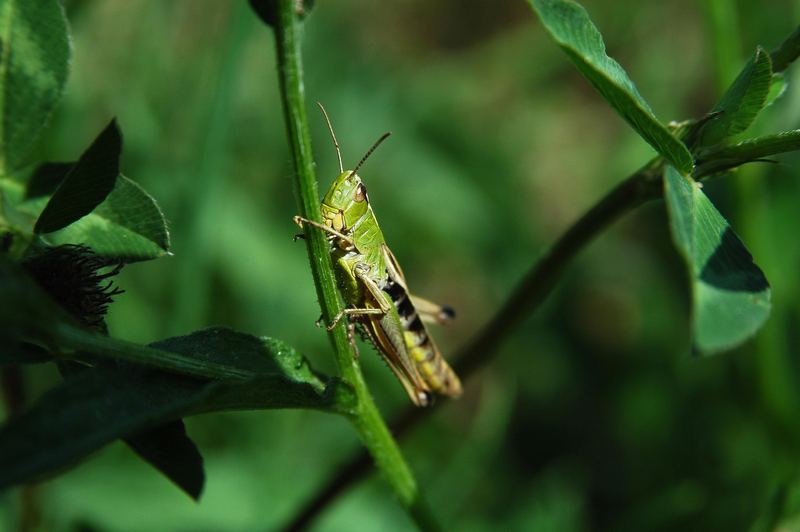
(742, 102)
(128, 226)
(45, 178)
(89, 410)
(87, 183)
(569, 25)
(27, 312)
(731, 296)
(721, 158)
(259, 356)
(14, 352)
(170, 450)
(777, 88)
(34, 59)
(166, 447)
(97, 406)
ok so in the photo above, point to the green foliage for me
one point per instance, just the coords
(34, 58)
(602, 365)
(86, 184)
(742, 102)
(97, 406)
(721, 158)
(730, 295)
(569, 25)
(127, 226)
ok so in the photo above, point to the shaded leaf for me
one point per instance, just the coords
(14, 352)
(87, 183)
(569, 25)
(731, 296)
(27, 312)
(128, 226)
(742, 102)
(97, 406)
(91, 409)
(259, 356)
(721, 158)
(170, 450)
(45, 178)
(165, 447)
(34, 58)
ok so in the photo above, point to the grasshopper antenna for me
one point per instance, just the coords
(333, 135)
(372, 149)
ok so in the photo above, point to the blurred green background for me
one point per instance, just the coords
(594, 415)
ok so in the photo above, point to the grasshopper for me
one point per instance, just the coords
(375, 290)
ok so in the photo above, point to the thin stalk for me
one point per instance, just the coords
(365, 418)
(531, 292)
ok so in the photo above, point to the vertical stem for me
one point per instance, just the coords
(366, 418)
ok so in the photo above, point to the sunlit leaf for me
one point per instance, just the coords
(569, 25)
(742, 102)
(34, 58)
(730, 295)
(128, 226)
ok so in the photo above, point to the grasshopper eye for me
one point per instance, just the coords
(361, 193)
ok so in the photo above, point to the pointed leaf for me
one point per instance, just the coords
(128, 226)
(742, 102)
(569, 25)
(87, 183)
(45, 178)
(731, 296)
(170, 450)
(34, 58)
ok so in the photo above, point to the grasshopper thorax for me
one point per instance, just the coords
(346, 201)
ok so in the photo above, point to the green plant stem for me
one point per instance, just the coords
(366, 418)
(531, 292)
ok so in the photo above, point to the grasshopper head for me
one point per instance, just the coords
(345, 202)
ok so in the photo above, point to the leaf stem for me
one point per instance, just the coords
(366, 418)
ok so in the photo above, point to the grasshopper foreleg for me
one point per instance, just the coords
(300, 221)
